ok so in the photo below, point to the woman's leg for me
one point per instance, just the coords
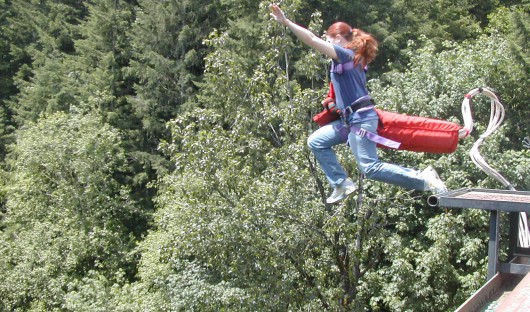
(365, 152)
(321, 142)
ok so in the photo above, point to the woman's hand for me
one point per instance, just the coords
(278, 15)
(303, 34)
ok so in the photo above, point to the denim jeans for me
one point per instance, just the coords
(365, 152)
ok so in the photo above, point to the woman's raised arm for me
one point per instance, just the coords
(304, 34)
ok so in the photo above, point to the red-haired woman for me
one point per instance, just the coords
(351, 50)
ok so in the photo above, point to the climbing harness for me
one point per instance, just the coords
(328, 114)
(381, 140)
(398, 131)
(339, 68)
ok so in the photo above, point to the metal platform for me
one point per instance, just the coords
(495, 201)
(486, 199)
(502, 277)
(490, 296)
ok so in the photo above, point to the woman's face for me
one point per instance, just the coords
(337, 39)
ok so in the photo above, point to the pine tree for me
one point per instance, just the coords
(39, 48)
(7, 88)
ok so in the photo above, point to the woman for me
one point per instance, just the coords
(350, 51)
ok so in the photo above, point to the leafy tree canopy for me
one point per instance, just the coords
(155, 155)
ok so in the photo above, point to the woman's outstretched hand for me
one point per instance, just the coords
(278, 15)
(305, 35)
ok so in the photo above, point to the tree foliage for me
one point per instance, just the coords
(67, 215)
(224, 213)
(156, 156)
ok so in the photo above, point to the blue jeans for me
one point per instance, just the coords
(365, 152)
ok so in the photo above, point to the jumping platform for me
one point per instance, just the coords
(508, 284)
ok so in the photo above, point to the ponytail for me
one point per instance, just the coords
(362, 43)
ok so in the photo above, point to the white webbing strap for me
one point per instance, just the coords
(496, 118)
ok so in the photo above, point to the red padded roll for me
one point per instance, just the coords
(418, 134)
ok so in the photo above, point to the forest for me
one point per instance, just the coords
(153, 155)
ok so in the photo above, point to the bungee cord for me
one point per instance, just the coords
(496, 118)
(497, 114)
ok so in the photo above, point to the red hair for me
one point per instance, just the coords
(362, 43)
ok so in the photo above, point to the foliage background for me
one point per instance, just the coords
(154, 158)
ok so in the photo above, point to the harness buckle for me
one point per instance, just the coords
(361, 132)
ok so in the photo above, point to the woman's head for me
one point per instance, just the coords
(363, 43)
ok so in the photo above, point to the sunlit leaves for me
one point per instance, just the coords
(239, 222)
(66, 212)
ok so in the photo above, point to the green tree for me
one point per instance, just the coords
(66, 215)
(105, 86)
(513, 75)
(43, 43)
(241, 224)
(7, 72)
(167, 61)
(89, 76)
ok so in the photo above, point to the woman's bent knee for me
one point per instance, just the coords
(370, 170)
(312, 142)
